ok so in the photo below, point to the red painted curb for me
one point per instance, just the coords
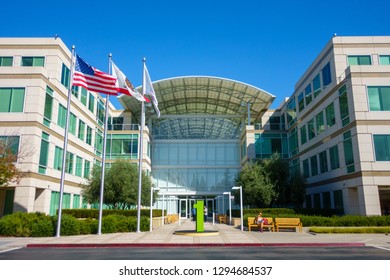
(198, 245)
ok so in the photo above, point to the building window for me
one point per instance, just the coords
(83, 96)
(81, 131)
(79, 166)
(76, 201)
(61, 121)
(69, 162)
(338, 201)
(384, 59)
(89, 136)
(301, 102)
(379, 98)
(57, 158)
(308, 94)
(320, 122)
(348, 152)
(6, 60)
(48, 106)
(122, 146)
(334, 157)
(72, 123)
(311, 129)
(317, 201)
(274, 123)
(317, 85)
(65, 76)
(359, 60)
(33, 61)
(303, 135)
(330, 117)
(343, 102)
(382, 147)
(11, 100)
(87, 167)
(323, 162)
(11, 143)
(291, 112)
(44, 153)
(293, 142)
(100, 112)
(91, 103)
(326, 200)
(313, 165)
(98, 142)
(326, 75)
(306, 170)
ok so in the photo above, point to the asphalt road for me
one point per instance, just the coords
(209, 253)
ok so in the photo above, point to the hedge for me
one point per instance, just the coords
(40, 225)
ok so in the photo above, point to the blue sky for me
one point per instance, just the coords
(268, 44)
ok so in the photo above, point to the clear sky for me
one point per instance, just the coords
(268, 44)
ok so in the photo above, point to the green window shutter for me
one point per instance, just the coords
(81, 131)
(65, 76)
(83, 96)
(44, 153)
(57, 158)
(87, 166)
(334, 157)
(5, 99)
(17, 101)
(79, 166)
(61, 116)
(72, 124)
(6, 61)
(89, 135)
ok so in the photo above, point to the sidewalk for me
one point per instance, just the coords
(227, 236)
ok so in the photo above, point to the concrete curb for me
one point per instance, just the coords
(181, 245)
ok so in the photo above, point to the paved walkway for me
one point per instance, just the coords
(227, 236)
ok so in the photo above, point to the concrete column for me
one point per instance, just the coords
(369, 200)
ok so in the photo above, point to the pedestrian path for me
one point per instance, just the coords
(227, 236)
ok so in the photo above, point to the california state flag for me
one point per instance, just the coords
(124, 85)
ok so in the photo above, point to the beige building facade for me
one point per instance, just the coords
(334, 129)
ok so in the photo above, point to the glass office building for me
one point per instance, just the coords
(195, 144)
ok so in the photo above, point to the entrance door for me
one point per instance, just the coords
(210, 207)
(183, 208)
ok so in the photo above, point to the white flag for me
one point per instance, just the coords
(124, 85)
(149, 90)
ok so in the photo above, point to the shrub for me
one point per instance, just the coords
(44, 227)
(88, 226)
(69, 225)
(20, 224)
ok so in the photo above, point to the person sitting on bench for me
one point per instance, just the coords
(259, 220)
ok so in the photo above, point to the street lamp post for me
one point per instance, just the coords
(241, 209)
(151, 207)
(230, 206)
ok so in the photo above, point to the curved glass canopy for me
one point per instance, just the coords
(200, 107)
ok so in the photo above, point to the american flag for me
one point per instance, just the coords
(93, 79)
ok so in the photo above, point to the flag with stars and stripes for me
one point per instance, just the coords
(93, 79)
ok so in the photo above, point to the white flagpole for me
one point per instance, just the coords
(104, 157)
(141, 149)
(65, 147)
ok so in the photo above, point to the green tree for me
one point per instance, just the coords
(290, 187)
(120, 187)
(257, 188)
(8, 171)
(278, 171)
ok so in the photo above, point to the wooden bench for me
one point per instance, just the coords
(294, 223)
(251, 223)
(222, 219)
